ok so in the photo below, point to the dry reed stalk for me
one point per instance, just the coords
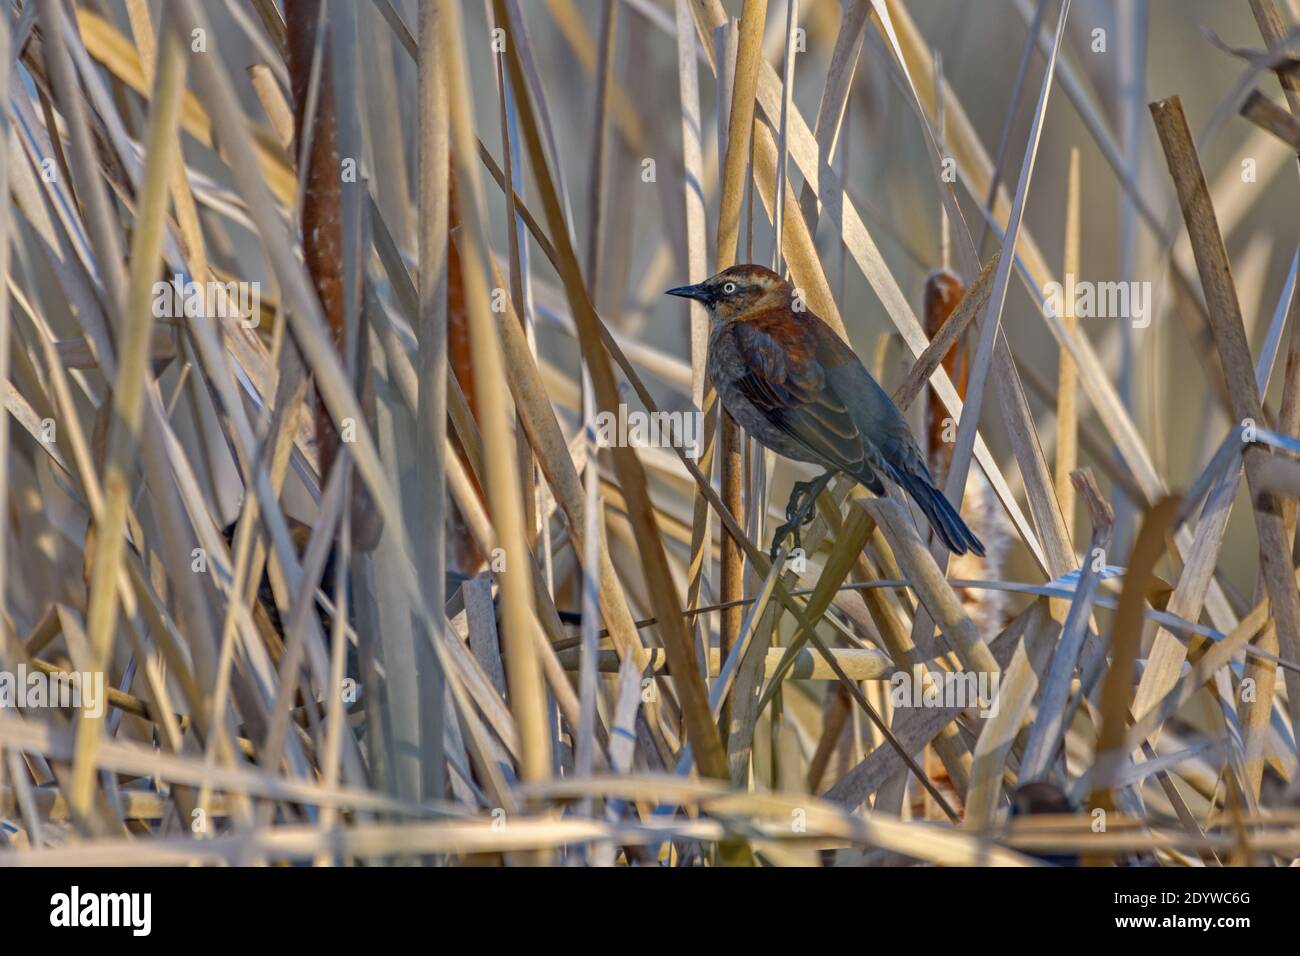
(504, 494)
(1048, 728)
(699, 726)
(1267, 115)
(128, 400)
(740, 128)
(1067, 376)
(1117, 690)
(1234, 353)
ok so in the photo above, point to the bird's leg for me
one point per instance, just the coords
(801, 509)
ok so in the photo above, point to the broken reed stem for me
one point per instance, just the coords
(1257, 715)
(1238, 369)
(1271, 26)
(1270, 117)
(1118, 686)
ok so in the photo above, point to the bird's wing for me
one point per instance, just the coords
(893, 452)
(810, 384)
(785, 379)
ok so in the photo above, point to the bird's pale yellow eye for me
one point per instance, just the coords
(729, 288)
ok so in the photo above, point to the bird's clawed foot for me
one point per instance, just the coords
(800, 510)
(799, 500)
(781, 532)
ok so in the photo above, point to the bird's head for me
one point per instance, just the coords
(733, 292)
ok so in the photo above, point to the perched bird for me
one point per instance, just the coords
(798, 389)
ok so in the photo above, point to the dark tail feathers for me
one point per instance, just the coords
(943, 517)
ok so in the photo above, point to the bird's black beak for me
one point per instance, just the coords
(697, 292)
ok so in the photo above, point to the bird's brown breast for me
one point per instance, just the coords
(728, 363)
